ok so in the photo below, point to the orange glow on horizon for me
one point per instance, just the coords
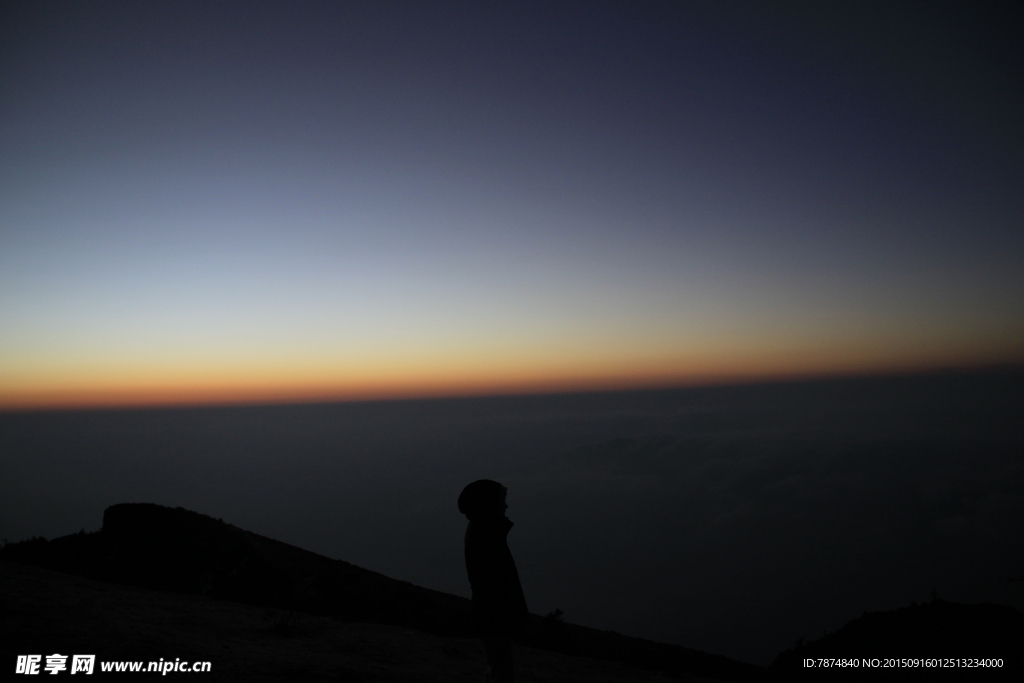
(304, 385)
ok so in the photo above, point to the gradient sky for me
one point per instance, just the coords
(208, 201)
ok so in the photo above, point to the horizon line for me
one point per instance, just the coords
(554, 388)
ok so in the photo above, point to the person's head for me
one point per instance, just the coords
(483, 498)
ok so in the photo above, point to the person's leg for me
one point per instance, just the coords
(499, 656)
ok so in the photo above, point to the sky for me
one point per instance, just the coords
(234, 202)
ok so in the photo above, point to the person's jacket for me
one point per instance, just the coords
(499, 607)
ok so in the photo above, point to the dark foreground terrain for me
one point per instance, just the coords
(162, 583)
(46, 612)
(196, 588)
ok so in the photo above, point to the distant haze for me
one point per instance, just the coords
(233, 202)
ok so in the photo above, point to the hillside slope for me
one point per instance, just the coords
(179, 551)
(45, 612)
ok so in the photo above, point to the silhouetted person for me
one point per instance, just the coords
(499, 608)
